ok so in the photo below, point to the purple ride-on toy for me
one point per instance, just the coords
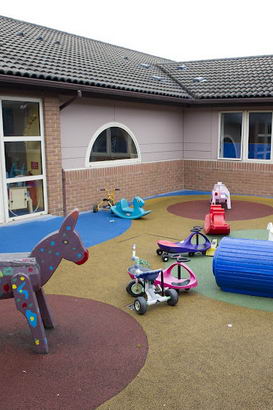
(169, 249)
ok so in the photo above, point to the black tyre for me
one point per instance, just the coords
(95, 208)
(135, 289)
(159, 251)
(191, 254)
(140, 305)
(173, 297)
(165, 258)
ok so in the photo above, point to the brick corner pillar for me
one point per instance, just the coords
(53, 155)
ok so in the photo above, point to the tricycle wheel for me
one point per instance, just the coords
(173, 297)
(204, 253)
(159, 251)
(140, 305)
(135, 289)
(191, 254)
(95, 208)
(165, 258)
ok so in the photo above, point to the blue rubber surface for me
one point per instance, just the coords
(93, 228)
(179, 193)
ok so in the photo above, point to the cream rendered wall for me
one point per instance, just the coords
(158, 129)
(201, 133)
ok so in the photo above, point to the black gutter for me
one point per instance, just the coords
(58, 86)
(95, 91)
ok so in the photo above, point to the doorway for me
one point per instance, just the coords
(22, 175)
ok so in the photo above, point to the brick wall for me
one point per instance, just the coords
(239, 177)
(53, 155)
(82, 187)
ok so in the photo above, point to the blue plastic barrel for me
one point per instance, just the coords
(244, 266)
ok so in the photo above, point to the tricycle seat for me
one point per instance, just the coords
(149, 275)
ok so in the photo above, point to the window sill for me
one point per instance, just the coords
(117, 163)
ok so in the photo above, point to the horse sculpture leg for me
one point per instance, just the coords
(44, 309)
(26, 303)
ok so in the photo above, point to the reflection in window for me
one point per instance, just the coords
(114, 143)
(259, 140)
(25, 197)
(20, 118)
(23, 158)
(231, 135)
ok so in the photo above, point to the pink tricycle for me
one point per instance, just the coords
(154, 286)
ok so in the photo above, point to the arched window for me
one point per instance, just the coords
(113, 144)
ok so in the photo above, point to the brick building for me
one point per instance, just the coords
(78, 115)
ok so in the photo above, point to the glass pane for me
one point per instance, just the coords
(231, 135)
(112, 144)
(23, 158)
(119, 139)
(25, 198)
(259, 141)
(100, 143)
(20, 118)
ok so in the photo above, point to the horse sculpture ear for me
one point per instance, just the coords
(70, 221)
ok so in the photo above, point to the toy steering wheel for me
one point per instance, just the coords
(182, 259)
(196, 228)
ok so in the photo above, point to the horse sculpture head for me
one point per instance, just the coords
(64, 243)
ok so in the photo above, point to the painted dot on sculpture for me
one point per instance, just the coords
(22, 278)
(37, 341)
(6, 287)
(51, 267)
(79, 255)
(14, 287)
(30, 269)
(42, 249)
(52, 243)
(31, 318)
(68, 228)
(24, 305)
(57, 253)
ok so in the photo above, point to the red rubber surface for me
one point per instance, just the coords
(241, 210)
(95, 350)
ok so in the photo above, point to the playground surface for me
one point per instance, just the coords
(213, 350)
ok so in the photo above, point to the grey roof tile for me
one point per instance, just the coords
(226, 78)
(41, 52)
(29, 50)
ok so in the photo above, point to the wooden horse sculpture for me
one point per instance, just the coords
(23, 275)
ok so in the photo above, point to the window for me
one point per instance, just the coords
(259, 140)
(114, 144)
(20, 118)
(231, 135)
(23, 183)
(246, 135)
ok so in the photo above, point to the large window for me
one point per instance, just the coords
(22, 181)
(113, 145)
(231, 135)
(246, 135)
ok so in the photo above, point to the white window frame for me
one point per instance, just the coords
(40, 138)
(244, 137)
(112, 163)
